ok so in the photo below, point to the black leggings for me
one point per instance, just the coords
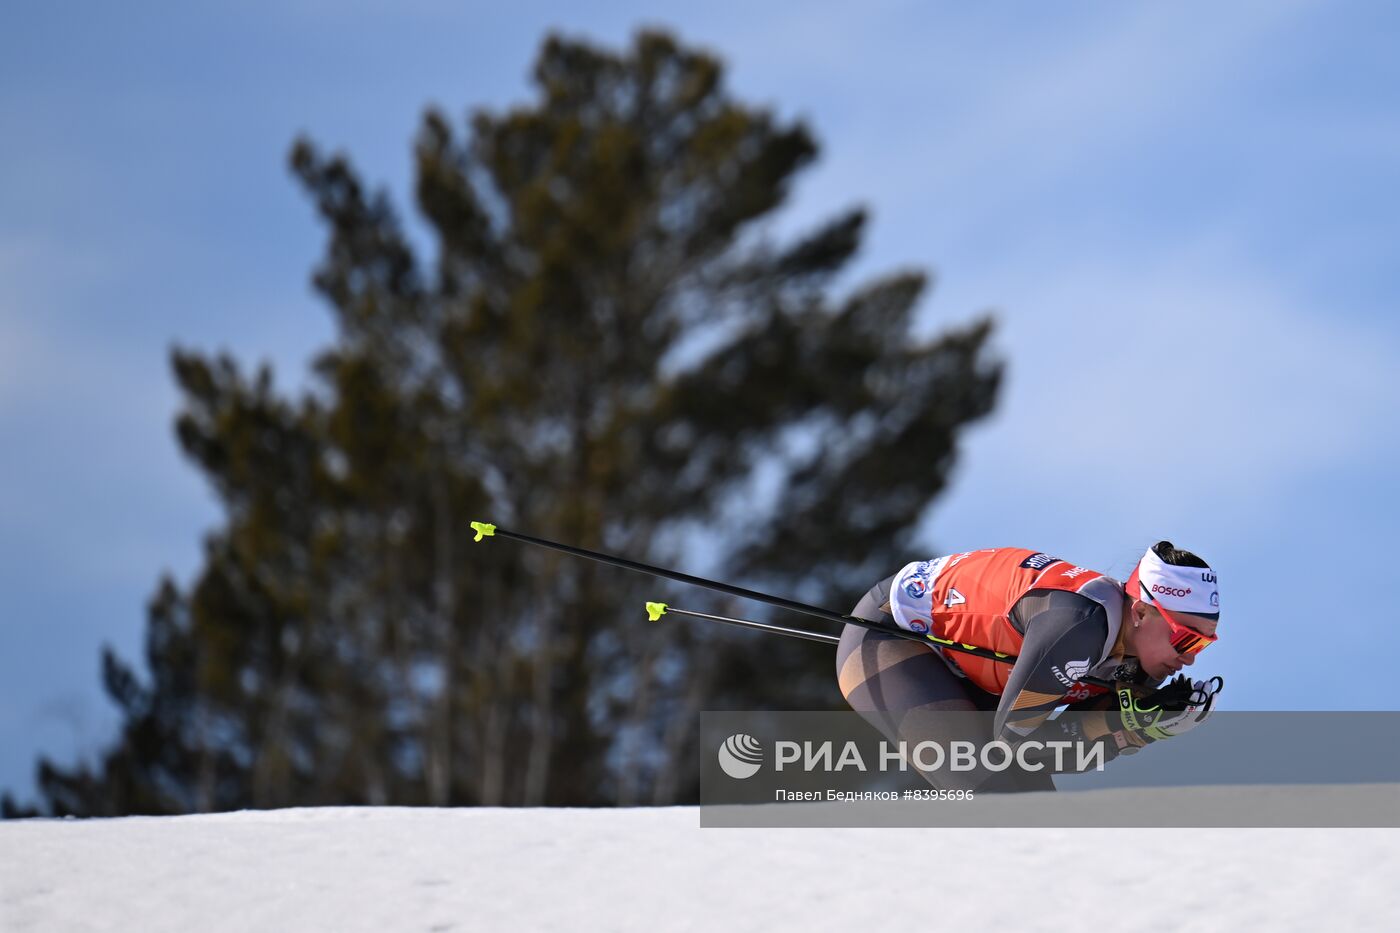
(906, 690)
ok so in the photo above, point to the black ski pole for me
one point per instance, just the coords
(483, 529)
(656, 610)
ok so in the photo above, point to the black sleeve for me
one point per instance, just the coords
(1064, 638)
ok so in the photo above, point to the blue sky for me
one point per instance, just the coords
(1182, 215)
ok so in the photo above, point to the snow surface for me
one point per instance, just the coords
(373, 869)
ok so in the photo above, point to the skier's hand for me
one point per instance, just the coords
(1168, 711)
(1185, 705)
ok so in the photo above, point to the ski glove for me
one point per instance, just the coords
(1173, 709)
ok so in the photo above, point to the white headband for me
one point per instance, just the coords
(1181, 589)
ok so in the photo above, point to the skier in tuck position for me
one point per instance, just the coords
(1071, 630)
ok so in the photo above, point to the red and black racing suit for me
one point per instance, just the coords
(908, 690)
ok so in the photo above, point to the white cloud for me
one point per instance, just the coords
(964, 133)
(1114, 81)
(1216, 375)
(30, 273)
(17, 346)
(956, 124)
(1170, 399)
(41, 354)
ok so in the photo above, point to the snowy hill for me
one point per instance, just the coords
(376, 869)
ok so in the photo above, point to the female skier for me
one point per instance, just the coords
(1067, 625)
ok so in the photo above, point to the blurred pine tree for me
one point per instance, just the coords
(607, 350)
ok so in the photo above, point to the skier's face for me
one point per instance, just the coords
(1154, 639)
